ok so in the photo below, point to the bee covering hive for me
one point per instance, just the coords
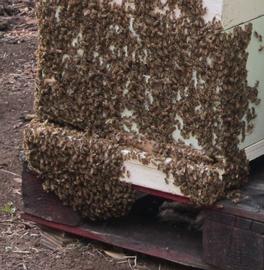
(84, 171)
(151, 70)
(145, 67)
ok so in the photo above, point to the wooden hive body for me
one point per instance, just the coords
(110, 68)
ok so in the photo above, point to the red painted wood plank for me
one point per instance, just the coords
(185, 250)
(42, 204)
(232, 247)
(137, 232)
(162, 194)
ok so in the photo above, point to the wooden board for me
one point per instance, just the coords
(232, 237)
(233, 242)
(172, 244)
(251, 205)
(254, 142)
(41, 204)
(135, 232)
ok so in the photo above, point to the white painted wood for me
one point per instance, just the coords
(255, 67)
(233, 12)
(149, 177)
(239, 11)
(214, 9)
(256, 150)
(230, 12)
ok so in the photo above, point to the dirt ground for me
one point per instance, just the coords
(21, 245)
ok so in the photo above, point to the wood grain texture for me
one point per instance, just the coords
(45, 205)
(232, 237)
(232, 248)
(251, 205)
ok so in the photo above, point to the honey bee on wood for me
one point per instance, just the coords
(258, 36)
(128, 174)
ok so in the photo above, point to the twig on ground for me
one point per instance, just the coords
(20, 251)
(5, 171)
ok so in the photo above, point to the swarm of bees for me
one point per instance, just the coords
(82, 171)
(136, 68)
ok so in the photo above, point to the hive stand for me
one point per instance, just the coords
(232, 236)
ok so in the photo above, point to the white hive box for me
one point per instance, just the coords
(237, 12)
(231, 13)
(164, 72)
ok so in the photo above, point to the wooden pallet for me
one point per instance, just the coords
(232, 236)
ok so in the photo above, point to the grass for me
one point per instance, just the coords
(8, 209)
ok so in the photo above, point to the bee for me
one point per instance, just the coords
(258, 36)
(128, 174)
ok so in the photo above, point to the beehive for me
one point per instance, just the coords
(156, 72)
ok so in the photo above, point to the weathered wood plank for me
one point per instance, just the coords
(232, 248)
(45, 205)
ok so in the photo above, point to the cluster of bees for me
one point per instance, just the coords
(130, 71)
(82, 171)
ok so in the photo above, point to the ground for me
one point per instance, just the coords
(21, 245)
